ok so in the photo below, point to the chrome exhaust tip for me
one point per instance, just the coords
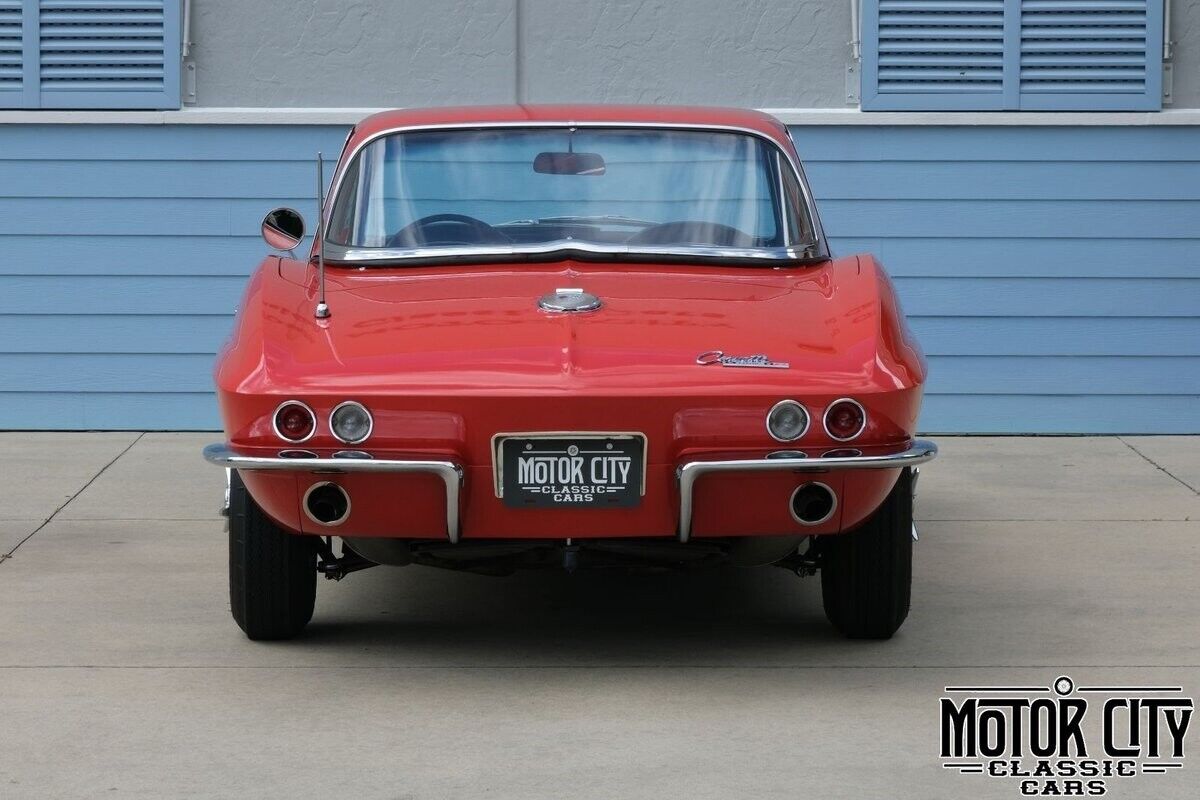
(812, 503)
(326, 504)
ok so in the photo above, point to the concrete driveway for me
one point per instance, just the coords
(122, 674)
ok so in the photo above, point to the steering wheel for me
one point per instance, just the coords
(443, 229)
(693, 233)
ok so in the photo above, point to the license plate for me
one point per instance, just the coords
(571, 470)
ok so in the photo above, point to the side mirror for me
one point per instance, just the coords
(283, 229)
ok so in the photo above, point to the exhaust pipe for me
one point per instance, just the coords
(813, 503)
(327, 503)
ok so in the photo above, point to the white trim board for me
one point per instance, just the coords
(790, 116)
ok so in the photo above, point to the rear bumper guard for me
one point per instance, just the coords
(450, 473)
(688, 473)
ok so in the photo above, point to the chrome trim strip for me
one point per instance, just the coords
(825, 419)
(920, 451)
(306, 407)
(767, 255)
(450, 473)
(370, 422)
(792, 504)
(804, 430)
(809, 212)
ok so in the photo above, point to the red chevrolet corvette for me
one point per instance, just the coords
(576, 336)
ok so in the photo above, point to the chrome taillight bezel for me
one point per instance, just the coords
(275, 421)
(365, 410)
(830, 407)
(781, 404)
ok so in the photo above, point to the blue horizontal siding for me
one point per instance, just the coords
(1015, 413)
(174, 143)
(1078, 219)
(1006, 180)
(173, 178)
(140, 216)
(1052, 274)
(63, 254)
(882, 142)
(155, 411)
(1022, 257)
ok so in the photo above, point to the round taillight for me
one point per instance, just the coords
(845, 419)
(351, 422)
(294, 421)
(787, 421)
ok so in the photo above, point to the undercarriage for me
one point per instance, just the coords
(504, 557)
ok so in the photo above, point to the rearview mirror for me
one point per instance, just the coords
(569, 164)
(283, 229)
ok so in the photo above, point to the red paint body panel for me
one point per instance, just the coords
(445, 357)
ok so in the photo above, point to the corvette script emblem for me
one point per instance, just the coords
(758, 360)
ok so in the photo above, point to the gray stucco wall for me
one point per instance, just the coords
(291, 53)
(371, 53)
(1185, 32)
(418, 52)
(375, 53)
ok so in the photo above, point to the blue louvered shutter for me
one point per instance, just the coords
(962, 55)
(110, 54)
(12, 54)
(1091, 55)
(933, 54)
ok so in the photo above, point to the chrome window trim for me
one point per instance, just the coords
(811, 203)
(687, 473)
(816, 246)
(825, 419)
(822, 520)
(370, 422)
(789, 402)
(767, 255)
(306, 407)
(450, 473)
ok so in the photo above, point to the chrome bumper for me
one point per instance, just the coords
(687, 474)
(450, 473)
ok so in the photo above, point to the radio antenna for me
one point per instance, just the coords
(322, 311)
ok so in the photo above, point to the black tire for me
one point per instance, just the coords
(272, 573)
(866, 575)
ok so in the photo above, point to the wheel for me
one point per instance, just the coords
(272, 573)
(866, 575)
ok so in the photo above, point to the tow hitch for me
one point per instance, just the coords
(334, 568)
